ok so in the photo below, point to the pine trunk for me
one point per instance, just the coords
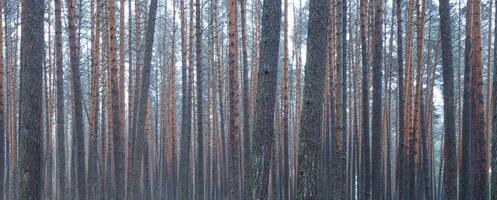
(30, 101)
(263, 127)
(308, 182)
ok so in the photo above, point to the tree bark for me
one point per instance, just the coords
(263, 126)
(365, 177)
(234, 104)
(377, 144)
(479, 143)
(310, 137)
(30, 101)
(449, 157)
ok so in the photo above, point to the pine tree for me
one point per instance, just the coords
(449, 157)
(310, 138)
(30, 101)
(263, 127)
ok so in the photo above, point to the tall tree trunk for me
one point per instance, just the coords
(465, 149)
(263, 126)
(309, 147)
(449, 157)
(415, 144)
(340, 101)
(377, 145)
(117, 135)
(93, 120)
(78, 101)
(234, 104)
(400, 165)
(185, 135)
(286, 139)
(479, 144)
(30, 101)
(171, 152)
(365, 177)
(494, 118)
(245, 104)
(200, 138)
(138, 140)
(2, 114)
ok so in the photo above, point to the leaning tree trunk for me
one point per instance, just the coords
(30, 101)
(141, 105)
(263, 127)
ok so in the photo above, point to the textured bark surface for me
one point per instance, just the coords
(184, 165)
(263, 127)
(494, 117)
(340, 108)
(117, 134)
(376, 127)
(30, 101)
(365, 177)
(479, 141)
(465, 149)
(245, 104)
(449, 157)
(2, 114)
(308, 181)
(234, 132)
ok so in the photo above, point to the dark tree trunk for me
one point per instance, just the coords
(365, 176)
(340, 107)
(308, 182)
(494, 118)
(77, 120)
(285, 173)
(449, 157)
(30, 100)
(138, 140)
(263, 127)
(200, 137)
(377, 144)
(245, 104)
(2, 117)
(184, 180)
(400, 165)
